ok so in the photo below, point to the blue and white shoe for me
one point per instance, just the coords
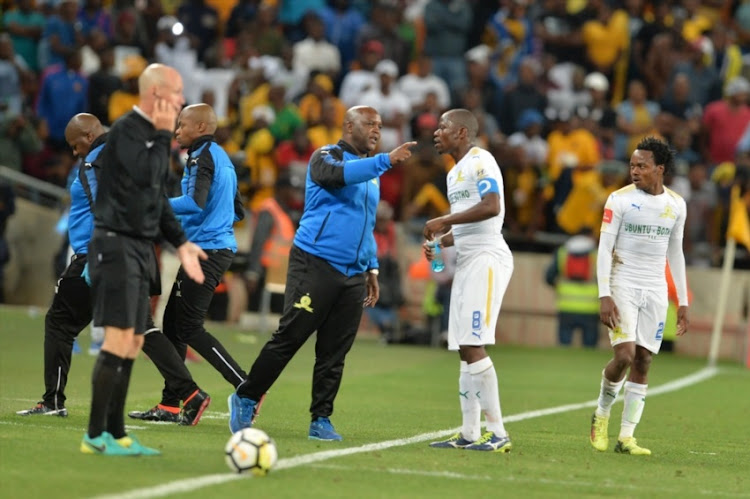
(241, 411)
(322, 429)
(456, 441)
(489, 442)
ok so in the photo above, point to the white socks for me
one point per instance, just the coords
(635, 400)
(470, 409)
(607, 395)
(484, 384)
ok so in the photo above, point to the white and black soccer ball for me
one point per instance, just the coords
(251, 449)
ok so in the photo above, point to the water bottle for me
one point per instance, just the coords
(438, 265)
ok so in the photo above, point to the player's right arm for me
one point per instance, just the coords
(611, 220)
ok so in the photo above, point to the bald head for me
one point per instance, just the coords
(361, 130)
(201, 114)
(82, 130)
(155, 75)
(463, 118)
(193, 122)
(159, 82)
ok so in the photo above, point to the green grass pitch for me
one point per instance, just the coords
(699, 434)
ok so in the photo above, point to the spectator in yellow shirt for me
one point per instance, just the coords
(122, 101)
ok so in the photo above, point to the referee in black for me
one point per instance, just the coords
(131, 210)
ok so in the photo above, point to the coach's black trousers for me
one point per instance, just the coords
(70, 312)
(318, 298)
(184, 316)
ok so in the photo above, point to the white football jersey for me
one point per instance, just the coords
(644, 226)
(463, 193)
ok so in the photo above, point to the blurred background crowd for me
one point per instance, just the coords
(562, 89)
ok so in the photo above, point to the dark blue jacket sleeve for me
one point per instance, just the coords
(329, 169)
(199, 184)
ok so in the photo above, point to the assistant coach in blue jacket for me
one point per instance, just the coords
(333, 270)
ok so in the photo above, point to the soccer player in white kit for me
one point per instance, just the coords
(642, 229)
(483, 269)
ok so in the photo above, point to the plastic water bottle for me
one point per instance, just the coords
(438, 265)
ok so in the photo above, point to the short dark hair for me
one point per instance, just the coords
(663, 154)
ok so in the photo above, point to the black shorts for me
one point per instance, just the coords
(123, 272)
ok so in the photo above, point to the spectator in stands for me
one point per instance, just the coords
(18, 138)
(362, 76)
(383, 25)
(525, 95)
(705, 84)
(447, 24)
(7, 209)
(679, 105)
(393, 105)
(291, 16)
(62, 80)
(61, 37)
(327, 131)
(529, 138)
(314, 53)
(601, 118)
(726, 56)
(385, 312)
(102, 84)
(572, 272)
(342, 25)
(93, 16)
(129, 37)
(25, 24)
(12, 70)
(725, 123)
(480, 79)
(241, 17)
(701, 241)
(416, 86)
(259, 158)
(636, 118)
(311, 104)
(275, 223)
(287, 117)
(123, 99)
(201, 22)
(293, 155)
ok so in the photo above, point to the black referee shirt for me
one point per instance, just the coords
(132, 196)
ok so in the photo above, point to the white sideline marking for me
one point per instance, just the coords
(529, 479)
(191, 484)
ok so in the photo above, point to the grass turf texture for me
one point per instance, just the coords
(699, 434)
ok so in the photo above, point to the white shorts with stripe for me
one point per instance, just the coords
(642, 316)
(476, 295)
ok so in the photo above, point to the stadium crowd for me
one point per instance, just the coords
(563, 90)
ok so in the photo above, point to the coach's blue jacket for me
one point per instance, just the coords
(341, 195)
(210, 202)
(82, 196)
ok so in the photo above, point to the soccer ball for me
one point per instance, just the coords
(251, 449)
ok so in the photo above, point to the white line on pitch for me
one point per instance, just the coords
(646, 489)
(192, 484)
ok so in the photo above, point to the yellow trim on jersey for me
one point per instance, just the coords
(672, 193)
(625, 189)
(474, 151)
(488, 311)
